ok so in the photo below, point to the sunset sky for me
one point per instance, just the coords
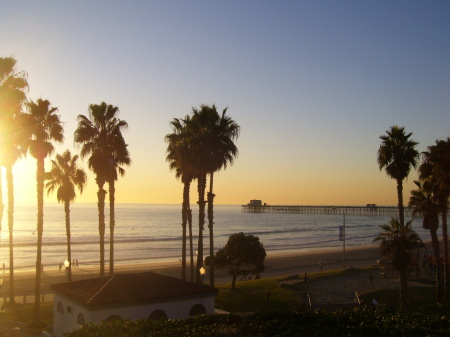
(313, 84)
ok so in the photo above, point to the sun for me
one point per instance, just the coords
(24, 180)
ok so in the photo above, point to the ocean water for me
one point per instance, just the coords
(151, 232)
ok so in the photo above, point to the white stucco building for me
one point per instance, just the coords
(129, 297)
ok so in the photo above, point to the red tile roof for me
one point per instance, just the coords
(130, 288)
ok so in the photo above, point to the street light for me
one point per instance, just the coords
(202, 272)
(67, 264)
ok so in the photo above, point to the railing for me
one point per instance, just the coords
(372, 210)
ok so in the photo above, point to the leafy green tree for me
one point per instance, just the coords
(243, 254)
(396, 155)
(64, 176)
(45, 127)
(436, 168)
(424, 202)
(101, 138)
(398, 241)
(13, 85)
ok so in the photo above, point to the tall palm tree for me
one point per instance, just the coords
(120, 157)
(178, 156)
(223, 130)
(436, 167)
(101, 137)
(64, 176)
(397, 241)
(396, 155)
(14, 146)
(13, 84)
(45, 127)
(424, 202)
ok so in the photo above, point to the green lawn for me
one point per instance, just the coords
(24, 312)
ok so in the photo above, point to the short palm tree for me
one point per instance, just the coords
(101, 138)
(13, 84)
(424, 202)
(398, 242)
(436, 168)
(64, 176)
(45, 127)
(396, 155)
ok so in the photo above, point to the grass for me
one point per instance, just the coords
(24, 312)
(417, 296)
(250, 296)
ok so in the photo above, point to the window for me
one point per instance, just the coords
(158, 315)
(197, 309)
(80, 319)
(60, 308)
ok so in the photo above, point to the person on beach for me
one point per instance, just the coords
(305, 280)
(320, 264)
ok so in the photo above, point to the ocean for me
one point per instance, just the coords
(152, 233)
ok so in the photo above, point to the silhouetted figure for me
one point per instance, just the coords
(267, 295)
(370, 277)
(305, 280)
(320, 264)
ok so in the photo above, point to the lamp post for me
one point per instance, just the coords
(342, 236)
(67, 265)
(202, 272)
(343, 243)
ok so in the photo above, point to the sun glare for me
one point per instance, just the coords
(24, 178)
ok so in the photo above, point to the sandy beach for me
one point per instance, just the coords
(276, 265)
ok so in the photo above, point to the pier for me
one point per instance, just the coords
(367, 210)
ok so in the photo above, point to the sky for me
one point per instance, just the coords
(312, 84)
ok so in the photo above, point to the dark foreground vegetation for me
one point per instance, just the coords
(361, 321)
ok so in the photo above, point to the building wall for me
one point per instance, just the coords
(66, 320)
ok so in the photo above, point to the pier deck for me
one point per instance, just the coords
(369, 210)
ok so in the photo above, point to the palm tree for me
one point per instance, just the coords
(424, 203)
(222, 151)
(44, 126)
(12, 95)
(396, 155)
(436, 168)
(120, 157)
(178, 156)
(101, 138)
(397, 241)
(65, 176)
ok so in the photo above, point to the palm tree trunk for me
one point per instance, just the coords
(403, 287)
(211, 196)
(191, 244)
(401, 214)
(446, 272)
(201, 223)
(69, 251)
(184, 216)
(40, 228)
(10, 184)
(112, 224)
(439, 279)
(101, 225)
(1, 197)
